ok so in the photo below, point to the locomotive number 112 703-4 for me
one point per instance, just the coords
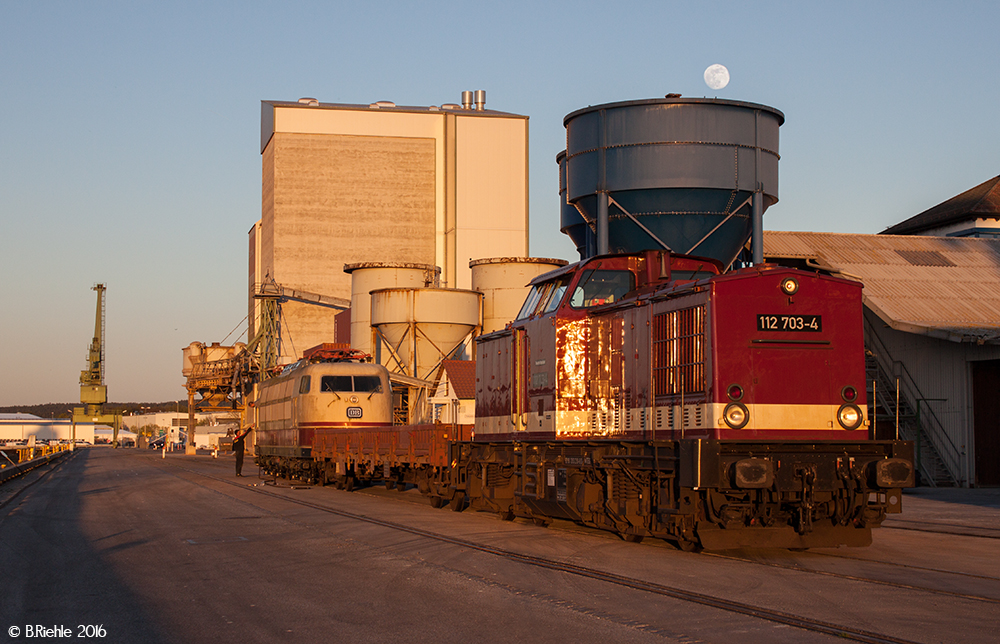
(789, 322)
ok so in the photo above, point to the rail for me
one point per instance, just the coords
(928, 426)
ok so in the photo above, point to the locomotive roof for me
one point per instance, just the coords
(944, 287)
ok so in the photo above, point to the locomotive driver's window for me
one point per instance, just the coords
(304, 385)
(598, 287)
(531, 302)
(367, 384)
(557, 294)
(336, 383)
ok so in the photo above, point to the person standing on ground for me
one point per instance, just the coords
(239, 445)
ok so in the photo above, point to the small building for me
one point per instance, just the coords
(974, 213)
(932, 333)
(454, 400)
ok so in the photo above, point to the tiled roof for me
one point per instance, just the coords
(946, 287)
(462, 375)
(981, 202)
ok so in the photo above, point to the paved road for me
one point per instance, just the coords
(179, 550)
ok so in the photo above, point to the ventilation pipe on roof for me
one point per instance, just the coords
(480, 99)
(467, 100)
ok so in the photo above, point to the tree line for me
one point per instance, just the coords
(65, 410)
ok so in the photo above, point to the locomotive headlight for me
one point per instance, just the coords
(789, 286)
(736, 415)
(849, 416)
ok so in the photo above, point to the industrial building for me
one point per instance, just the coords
(931, 325)
(345, 184)
(17, 427)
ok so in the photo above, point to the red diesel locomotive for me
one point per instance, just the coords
(649, 395)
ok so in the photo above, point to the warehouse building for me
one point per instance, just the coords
(931, 326)
(343, 184)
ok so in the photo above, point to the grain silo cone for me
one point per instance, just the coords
(687, 174)
(420, 327)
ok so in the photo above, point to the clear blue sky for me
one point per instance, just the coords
(129, 144)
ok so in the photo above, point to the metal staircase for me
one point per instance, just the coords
(937, 458)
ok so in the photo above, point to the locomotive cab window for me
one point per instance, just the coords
(556, 294)
(531, 302)
(367, 384)
(304, 385)
(597, 287)
(362, 384)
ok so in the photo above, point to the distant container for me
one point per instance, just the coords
(681, 171)
(423, 326)
(370, 276)
(503, 281)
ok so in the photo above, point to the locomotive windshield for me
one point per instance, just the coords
(532, 301)
(544, 298)
(598, 287)
(362, 384)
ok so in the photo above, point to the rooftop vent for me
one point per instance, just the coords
(308, 101)
(474, 100)
(380, 104)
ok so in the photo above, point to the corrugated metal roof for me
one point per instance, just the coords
(983, 201)
(946, 287)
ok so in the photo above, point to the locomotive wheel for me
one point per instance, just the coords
(507, 515)
(632, 538)
(437, 502)
(457, 503)
(539, 521)
(389, 484)
(400, 486)
(687, 546)
(349, 484)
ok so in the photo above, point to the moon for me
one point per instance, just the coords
(716, 76)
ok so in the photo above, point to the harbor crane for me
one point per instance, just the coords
(93, 391)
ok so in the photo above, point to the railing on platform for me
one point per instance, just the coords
(15, 460)
(943, 464)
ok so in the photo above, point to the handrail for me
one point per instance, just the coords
(45, 454)
(933, 430)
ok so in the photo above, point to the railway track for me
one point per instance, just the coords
(869, 580)
(981, 532)
(805, 623)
